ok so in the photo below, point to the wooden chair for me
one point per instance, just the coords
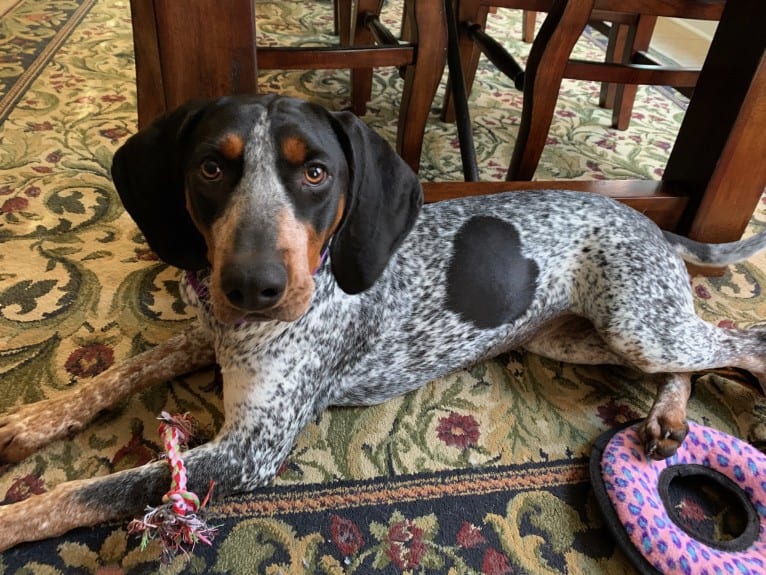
(628, 38)
(633, 17)
(196, 49)
(715, 175)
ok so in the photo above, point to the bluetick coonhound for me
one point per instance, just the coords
(249, 194)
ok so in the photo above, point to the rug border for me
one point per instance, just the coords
(291, 499)
(24, 81)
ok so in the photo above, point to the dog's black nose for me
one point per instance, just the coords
(254, 287)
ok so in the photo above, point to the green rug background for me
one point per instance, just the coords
(483, 471)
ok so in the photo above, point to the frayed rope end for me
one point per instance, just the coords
(176, 522)
(177, 533)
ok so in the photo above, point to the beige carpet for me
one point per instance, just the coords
(481, 472)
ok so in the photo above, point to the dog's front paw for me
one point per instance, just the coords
(663, 434)
(29, 427)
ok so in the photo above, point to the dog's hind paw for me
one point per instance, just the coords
(662, 435)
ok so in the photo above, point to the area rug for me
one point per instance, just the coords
(483, 471)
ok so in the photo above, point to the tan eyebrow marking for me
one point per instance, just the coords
(294, 150)
(232, 146)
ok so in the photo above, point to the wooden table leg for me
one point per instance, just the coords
(149, 85)
(719, 153)
(183, 55)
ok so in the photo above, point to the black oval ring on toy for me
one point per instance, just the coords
(701, 511)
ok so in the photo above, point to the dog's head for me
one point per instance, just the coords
(257, 188)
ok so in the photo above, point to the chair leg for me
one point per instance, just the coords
(625, 95)
(342, 11)
(545, 69)
(335, 16)
(617, 50)
(421, 80)
(467, 11)
(405, 32)
(361, 78)
(528, 21)
(150, 90)
(721, 165)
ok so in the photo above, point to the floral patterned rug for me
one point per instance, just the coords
(484, 471)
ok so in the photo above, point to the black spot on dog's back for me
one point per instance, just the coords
(489, 281)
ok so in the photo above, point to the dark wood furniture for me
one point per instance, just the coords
(716, 171)
(628, 39)
(626, 63)
(205, 48)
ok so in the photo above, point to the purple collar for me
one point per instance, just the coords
(193, 279)
(322, 260)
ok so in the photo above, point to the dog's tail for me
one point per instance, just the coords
(702, 254)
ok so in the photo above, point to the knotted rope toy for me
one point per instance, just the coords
(175, 522)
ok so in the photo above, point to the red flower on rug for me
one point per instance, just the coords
(115, 134)
(146, 255)
(23, 488)
(405, 544)
(113, 98)
(457, 430)
(701, 292)
(38, 127)
(54, 157)
(470, 536)
(614, 414)
(17, 204)
(89, 360)
(495, 563)
(346, 535)
(133, 454)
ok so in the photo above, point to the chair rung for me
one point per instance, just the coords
(630, 73)
(382, 35)
(496, 53)
(663, 202)
(330, 57)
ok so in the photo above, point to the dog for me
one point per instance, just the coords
(320, 279)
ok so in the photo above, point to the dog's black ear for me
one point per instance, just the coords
(384, 199)
(148, 172)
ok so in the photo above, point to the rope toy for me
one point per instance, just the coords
(175, 522)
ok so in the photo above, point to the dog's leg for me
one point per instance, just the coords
(32, 426)
(751, 353)
(69, 505)
(681, 343)
(264, 416)
(572, 339)
(126, 494)
(665, 428)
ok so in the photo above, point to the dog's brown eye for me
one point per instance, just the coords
(210, 170)
(314, 174)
